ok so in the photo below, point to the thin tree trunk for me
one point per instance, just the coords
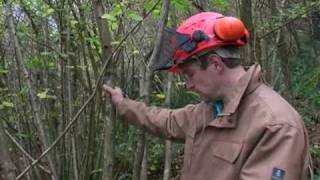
(5, 162)
(71, 89)
(34, 104)
(168, 159)
(22, 125)
(282, 51)
(27, 154)
(138, 158)
(64, 32)
(139, 153)
(144, 165)
(105, 39)
(246, 17)
(167, 162)
(149, 74)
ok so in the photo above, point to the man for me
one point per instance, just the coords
(242, 129)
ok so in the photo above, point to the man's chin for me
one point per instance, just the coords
(208, 98)
(205, 98)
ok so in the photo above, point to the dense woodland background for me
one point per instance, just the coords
(55, 55)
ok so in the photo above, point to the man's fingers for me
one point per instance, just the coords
(115, 93)
(109, 89)
(118, 89)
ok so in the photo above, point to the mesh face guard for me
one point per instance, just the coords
(199, 33)
(171, 42)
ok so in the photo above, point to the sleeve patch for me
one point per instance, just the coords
(277, 174)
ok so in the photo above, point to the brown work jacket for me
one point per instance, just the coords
(258, 136)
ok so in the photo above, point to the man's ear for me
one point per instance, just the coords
(216, 62)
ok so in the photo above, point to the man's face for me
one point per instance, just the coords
(205, 82)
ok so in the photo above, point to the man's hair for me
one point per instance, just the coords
(203, 61)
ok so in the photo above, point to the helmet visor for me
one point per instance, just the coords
(170, 42)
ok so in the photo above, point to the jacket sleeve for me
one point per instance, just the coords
(173, 124)
(279, 155)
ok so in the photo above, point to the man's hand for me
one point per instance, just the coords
(115, 93)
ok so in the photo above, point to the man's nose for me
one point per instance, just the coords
(189, 84)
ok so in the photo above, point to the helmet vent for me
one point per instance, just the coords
(199, 36)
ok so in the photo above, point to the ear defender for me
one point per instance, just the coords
(230, 29)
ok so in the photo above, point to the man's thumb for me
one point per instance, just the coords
(108, 88)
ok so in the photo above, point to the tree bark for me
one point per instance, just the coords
(138, 156)
(144, 165)
(27, 154)
(282, 52)
(105, 39)
(147, 84)
(246, 17)
(168, 159)
(139, 153)
(5, 162)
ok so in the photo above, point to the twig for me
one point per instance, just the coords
(47, 46)
(198, 7)
(74, 119)
(25, 152)
(290, 21)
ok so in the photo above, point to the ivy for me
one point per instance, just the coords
(134, 16)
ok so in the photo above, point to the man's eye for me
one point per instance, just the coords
(190, 75)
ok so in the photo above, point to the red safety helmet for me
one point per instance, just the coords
(200, 33)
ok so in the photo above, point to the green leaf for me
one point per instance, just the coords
(49, 11)
(153, 167)
(114, 43)
(220, 4)
(148, 5)
(70, 67)
(109, 17)
(96, 171)
(23, 135)
(4, 89)
(156, 13)
(134, 16)
(114, 25)
(82, 67)
(73, 22)
(45, 53)
(136, 52)
(192, 93)
(3, 71)
(7, 104)
(43, 95)
(24, 90)
(160, 96)
(117, 11)
(181, 5)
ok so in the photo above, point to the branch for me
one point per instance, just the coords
(290, 21)
(162, 22)
(75, 118)
(198, 7)
(25, 152)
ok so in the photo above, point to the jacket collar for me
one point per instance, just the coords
(247, 84)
